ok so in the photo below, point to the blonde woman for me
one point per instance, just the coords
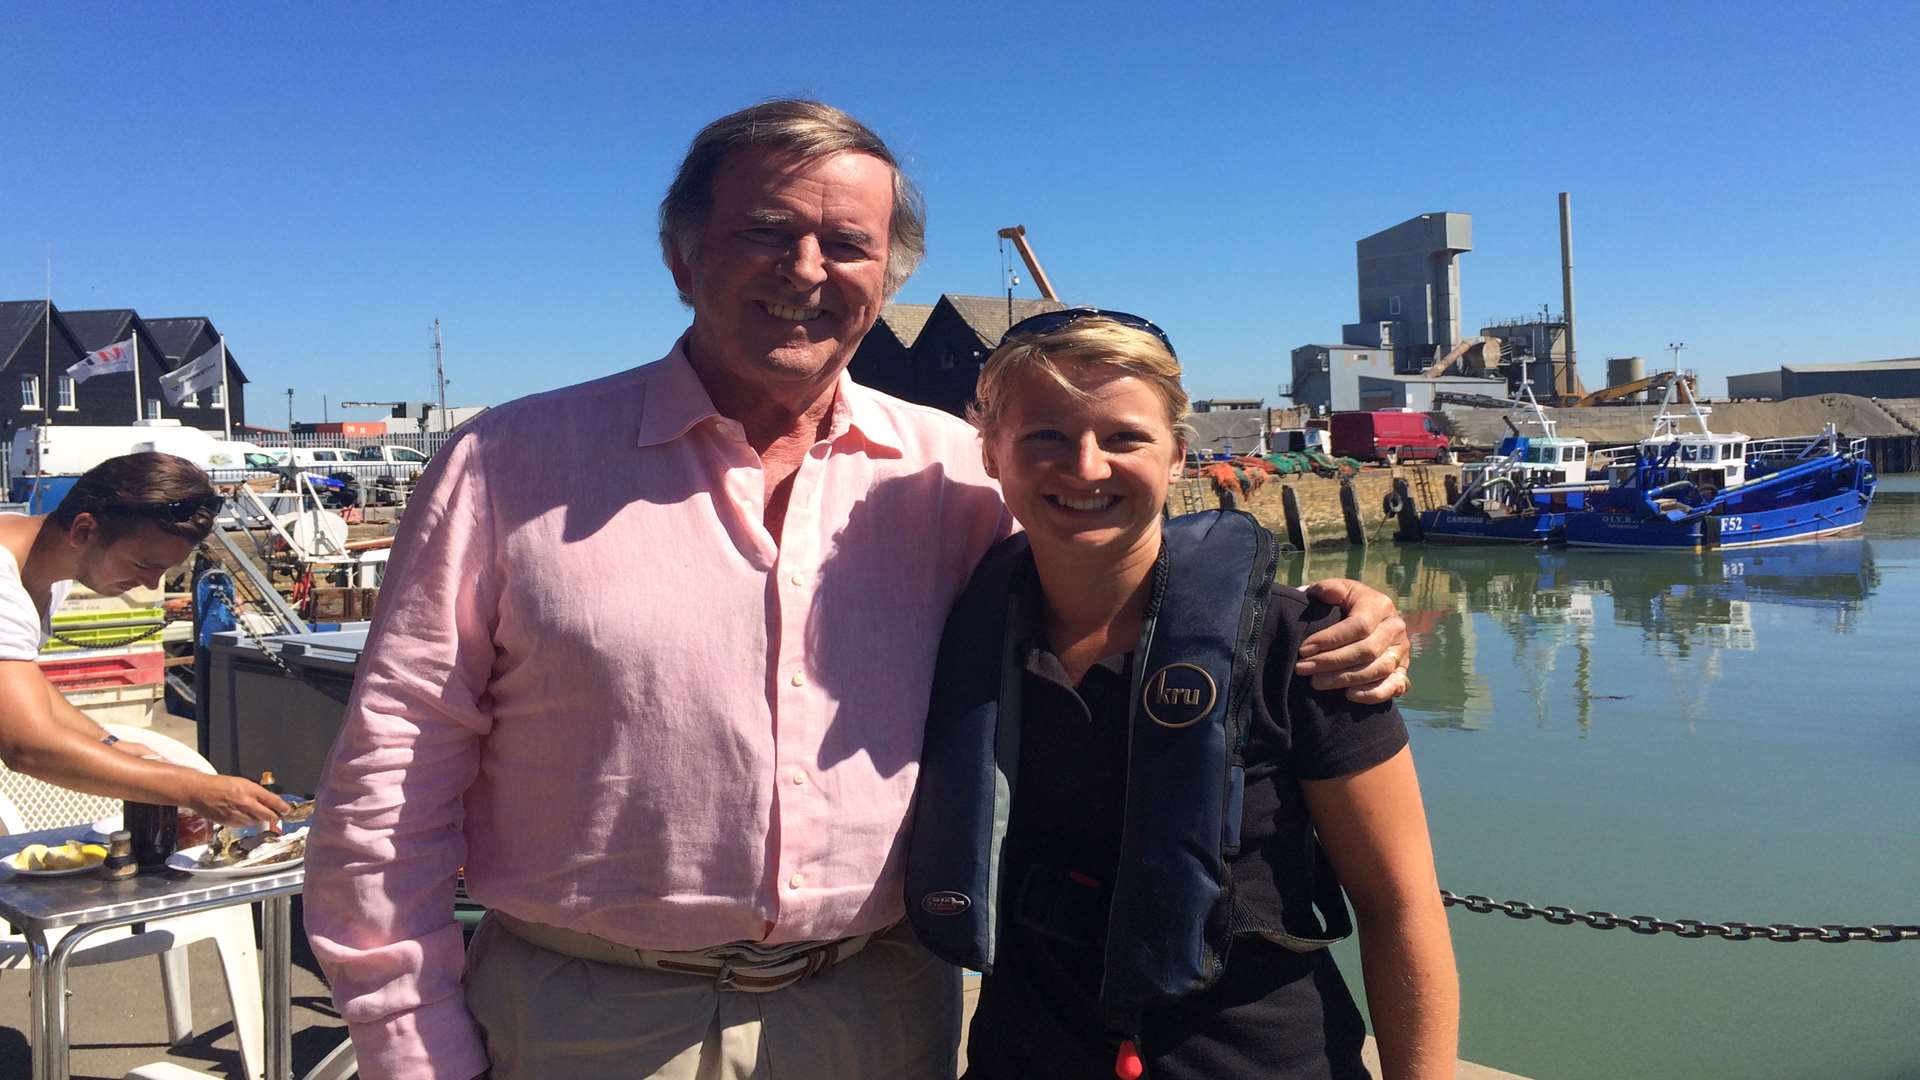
(1132, 814)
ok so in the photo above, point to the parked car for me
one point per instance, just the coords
(398, 462)
(312, 457)
(1389, 435)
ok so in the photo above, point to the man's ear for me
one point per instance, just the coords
(84, 528)
(986, 459)
(681, 269)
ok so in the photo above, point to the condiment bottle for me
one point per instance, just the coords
(120, 861)
(266, 781)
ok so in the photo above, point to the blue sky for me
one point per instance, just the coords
(326, 179)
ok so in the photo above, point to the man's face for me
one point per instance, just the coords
(139, 556)
(791, 270)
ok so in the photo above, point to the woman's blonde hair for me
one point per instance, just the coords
(1093, 342)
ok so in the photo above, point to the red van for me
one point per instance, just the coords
(1390, 436)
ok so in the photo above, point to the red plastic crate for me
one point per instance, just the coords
(95, 672)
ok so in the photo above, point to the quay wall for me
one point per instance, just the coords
(1323, 518)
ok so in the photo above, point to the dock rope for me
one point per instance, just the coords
(1831, 934)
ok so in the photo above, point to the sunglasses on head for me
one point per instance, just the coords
(1048, 321)
(179, 510)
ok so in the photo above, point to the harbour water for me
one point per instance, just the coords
(1723, 736)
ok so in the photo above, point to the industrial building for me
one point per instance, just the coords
(1409, 326)
(1898, 378)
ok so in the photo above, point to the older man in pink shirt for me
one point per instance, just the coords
(663, 701)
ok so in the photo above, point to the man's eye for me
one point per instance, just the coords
(1043, 435)
(763, 236)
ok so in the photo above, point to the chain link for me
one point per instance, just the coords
(1692, 929)
(225, 594)
(122, 643)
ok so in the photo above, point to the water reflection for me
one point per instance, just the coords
(1538, 622)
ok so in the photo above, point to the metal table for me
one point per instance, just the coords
(85, 904)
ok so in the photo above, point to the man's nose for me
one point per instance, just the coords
(804, 266)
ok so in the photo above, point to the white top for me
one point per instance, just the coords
(23, 629)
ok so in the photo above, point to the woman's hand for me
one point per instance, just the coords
(1367, 653)
(230, 800)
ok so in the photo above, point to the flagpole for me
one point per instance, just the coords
(226, 403)
(139, 407)
(46, 415)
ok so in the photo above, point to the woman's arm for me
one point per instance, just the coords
(1374, 829)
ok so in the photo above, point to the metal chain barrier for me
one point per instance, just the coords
(225, 594)
(122, 643)
(1833, 934)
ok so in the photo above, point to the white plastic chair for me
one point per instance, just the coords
(27, 804)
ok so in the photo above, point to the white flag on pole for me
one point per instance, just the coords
(190, 378)
(115, 357)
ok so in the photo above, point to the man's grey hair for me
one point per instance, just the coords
(807, 130)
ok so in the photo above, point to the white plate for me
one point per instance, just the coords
(12, 863)
(106, 826)
(188, 859)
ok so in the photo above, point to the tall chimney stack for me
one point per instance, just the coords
(1569, 381)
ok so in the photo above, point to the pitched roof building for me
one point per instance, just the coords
(959, 334)
(881, 362)
(36, 349)
(185, 338)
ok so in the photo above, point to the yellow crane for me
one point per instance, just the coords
(1018, 234)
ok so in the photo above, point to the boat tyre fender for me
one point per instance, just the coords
(1707, 493)
(1445, 457)
(1393, 504)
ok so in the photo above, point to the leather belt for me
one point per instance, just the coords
(741, 967)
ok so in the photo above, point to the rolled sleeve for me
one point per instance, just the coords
(387, 839)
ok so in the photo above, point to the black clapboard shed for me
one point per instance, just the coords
(109, 399)
(958, 336)
(26, 355)
(187, 338)
(883, 361)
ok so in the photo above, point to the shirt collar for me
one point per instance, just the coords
(673, 398)
(676, 401)
(857, 409)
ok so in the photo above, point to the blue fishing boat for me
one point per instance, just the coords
(1522, 493)
(1698, 489)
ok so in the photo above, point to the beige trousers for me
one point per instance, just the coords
(891, 1012)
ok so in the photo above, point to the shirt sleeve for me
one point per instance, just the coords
(387, 837)
(1331, 735)
(19, 620)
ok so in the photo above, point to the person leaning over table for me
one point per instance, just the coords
(660, 688)
(125, 522)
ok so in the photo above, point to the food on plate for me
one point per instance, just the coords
(239, 847)
(300, 812)
(71, 855)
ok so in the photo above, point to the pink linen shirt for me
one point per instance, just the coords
(599, 684)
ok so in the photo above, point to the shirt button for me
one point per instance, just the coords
(797, 580)
(798, 778)
(798, 679)
(795, 881)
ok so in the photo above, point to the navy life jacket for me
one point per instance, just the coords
(1172, 915)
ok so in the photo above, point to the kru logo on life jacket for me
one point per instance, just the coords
(945, 903)
(1179, 695)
